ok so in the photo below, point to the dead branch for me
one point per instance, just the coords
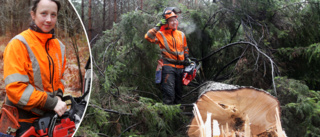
(129, 128)
(110, 110)
(147, 93)
(231, 62)
(259, 51)
(195, 89)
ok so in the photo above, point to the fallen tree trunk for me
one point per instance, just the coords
(234, 107)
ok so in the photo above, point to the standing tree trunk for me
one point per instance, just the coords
(89, 22)
(115, 11)
(82, 10)
(141, 2)
(104, 16)
(1, 15)
(121, 7)
(109, 18)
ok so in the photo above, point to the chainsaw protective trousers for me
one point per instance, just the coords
(171, 85)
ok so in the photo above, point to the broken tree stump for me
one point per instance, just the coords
(232, 105)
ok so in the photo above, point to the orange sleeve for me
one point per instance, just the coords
(17, 79)
(151, 36)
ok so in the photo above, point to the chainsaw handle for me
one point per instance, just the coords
(194, 59)
(71, 111)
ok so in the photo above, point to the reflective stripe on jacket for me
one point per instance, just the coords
(173, 45)
(30, 73)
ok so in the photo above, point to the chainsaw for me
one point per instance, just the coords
(190, 72)
(51, 125)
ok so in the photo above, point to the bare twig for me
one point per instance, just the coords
(257, 48)
(101, 134)
(129, 128)
(231, 62)
(195, 89)
(110, 110)
(146, 92)
(94, 39)
(99, 69)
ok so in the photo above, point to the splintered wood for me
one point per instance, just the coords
(242, 112)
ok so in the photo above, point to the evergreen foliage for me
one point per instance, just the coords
(286, 31)
(300, 108)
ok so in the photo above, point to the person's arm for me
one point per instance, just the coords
(17, 82)
(152, 33)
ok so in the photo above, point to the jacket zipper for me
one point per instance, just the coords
(174, 45)
(50, 62)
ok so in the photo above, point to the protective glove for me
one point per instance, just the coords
(162, 22)
(187, 61)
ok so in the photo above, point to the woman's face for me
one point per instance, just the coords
(45, 16)
(173, 23)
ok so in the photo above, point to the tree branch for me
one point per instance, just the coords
(129, 128)
(257, 48)
(110, 110)
(194, 89)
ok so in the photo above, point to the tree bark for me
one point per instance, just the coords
(89, 22)
(115, 11)
(104, 16)
(110, 13)
(82, 10)
(121, 7)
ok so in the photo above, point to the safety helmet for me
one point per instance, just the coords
(169, 13)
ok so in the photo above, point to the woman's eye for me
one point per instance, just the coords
(43, 13)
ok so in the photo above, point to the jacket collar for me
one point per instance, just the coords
(39, 34)
(34, 27)
(169, 30)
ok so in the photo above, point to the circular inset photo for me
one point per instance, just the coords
(45, 68)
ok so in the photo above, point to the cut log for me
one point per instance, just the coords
(237, 109)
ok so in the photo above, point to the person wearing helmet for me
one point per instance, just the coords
(174, 52)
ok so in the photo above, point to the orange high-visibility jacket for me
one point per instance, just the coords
(173, 45)
(30, 73)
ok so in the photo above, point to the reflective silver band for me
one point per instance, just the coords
(25, 96)
(166, 44)
(62, 81)
(16, 77)
(179, 53)
(150, 35)
(62, 48)
(35, 64)
(169, 61)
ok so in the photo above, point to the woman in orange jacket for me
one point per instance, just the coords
(34, 63)
(174, 51)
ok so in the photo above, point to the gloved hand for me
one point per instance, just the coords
(187, 61)
(162, 22)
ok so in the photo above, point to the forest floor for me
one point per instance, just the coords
(71, 73)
